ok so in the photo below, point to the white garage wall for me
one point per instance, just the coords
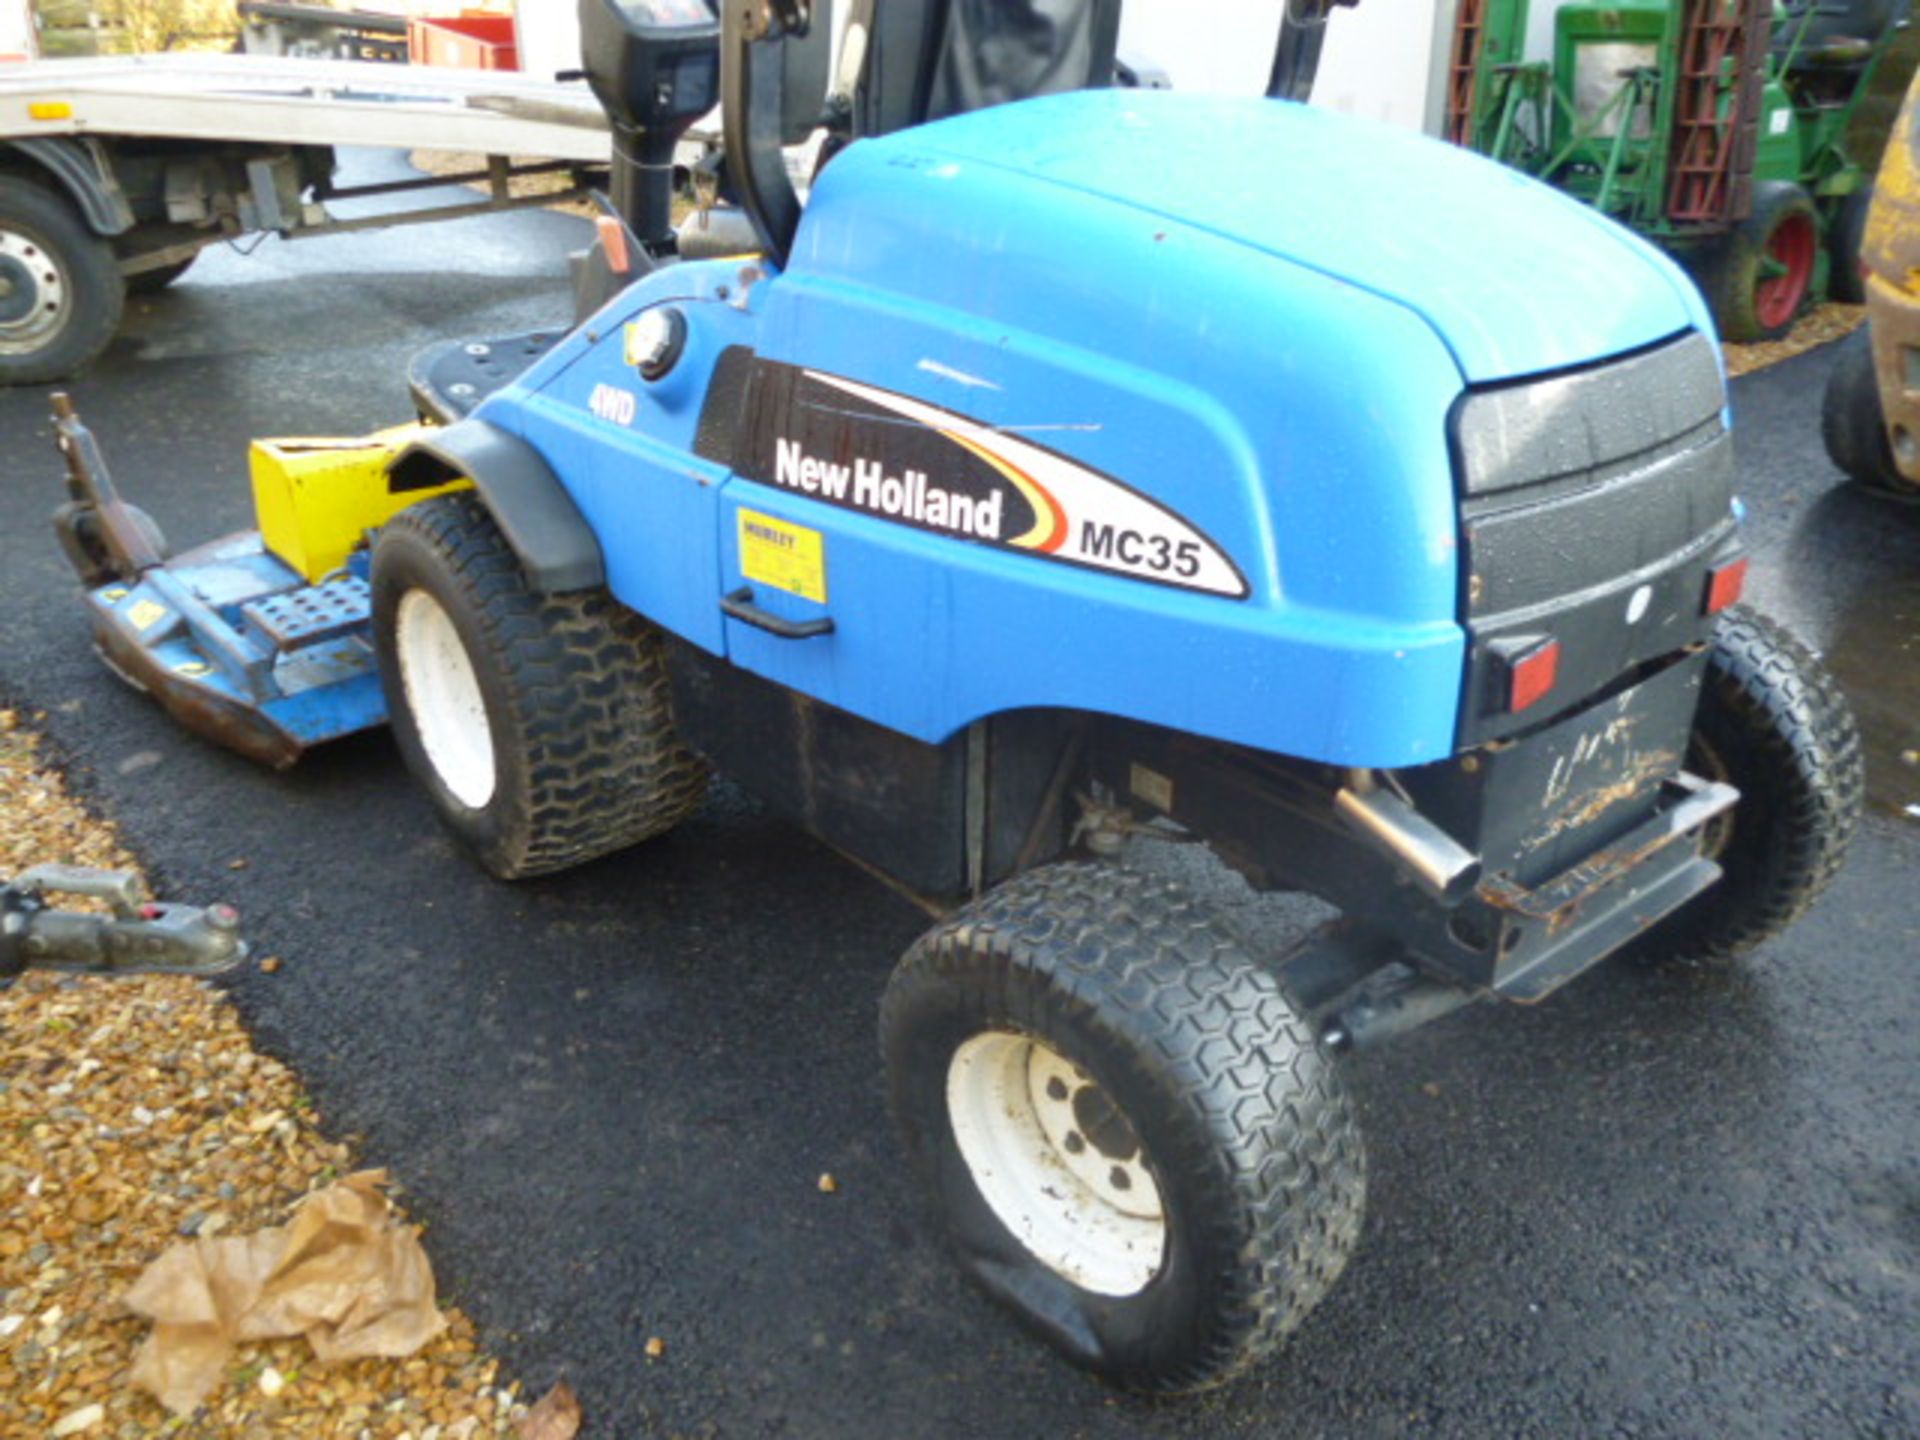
(18, 40)
(1215, 46)
(1386, 59)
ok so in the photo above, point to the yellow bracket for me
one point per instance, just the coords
(317, 499)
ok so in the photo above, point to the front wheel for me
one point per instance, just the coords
(61, 292)
(1853, 426)
(539, 724)
(1846, 241)
(1772, 723)
(1134, 1139)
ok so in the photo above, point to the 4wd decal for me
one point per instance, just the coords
(883, 454)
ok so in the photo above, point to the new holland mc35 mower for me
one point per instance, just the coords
(1049, 479)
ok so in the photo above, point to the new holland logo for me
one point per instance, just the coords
(978, 483)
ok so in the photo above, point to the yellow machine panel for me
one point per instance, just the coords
(316, 499)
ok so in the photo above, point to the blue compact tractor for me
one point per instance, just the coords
(1072, 466)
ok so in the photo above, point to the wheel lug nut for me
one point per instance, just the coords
(1119, 1179)
(1056, 1089)
(1074, 1143)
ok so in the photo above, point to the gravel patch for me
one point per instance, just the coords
(1820, 326)
(135, 1112)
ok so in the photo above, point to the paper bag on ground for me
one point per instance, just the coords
(342, 1272)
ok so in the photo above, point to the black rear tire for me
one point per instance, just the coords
(1734, 276)
(1774, 724)
(1239, 1113)
(51, 327)
(1852, 423)
(584, 758)
(1846, 237)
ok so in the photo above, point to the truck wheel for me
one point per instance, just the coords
(1760, 275)
(61, 292)
(1852, 424)
(1846, 238)
(1133, 1138)
(539, 724)
(1773, 724)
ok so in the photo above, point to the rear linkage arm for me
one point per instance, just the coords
(139, 937)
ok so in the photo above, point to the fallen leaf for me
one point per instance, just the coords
(270, 964)
(655, 1347)
(828, 1185)
(556, 1417)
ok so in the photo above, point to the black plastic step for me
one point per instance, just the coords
(449, 379)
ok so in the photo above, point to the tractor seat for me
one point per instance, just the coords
(926, 62)
(1830, 35)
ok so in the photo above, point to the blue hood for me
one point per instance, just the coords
(1515, 277)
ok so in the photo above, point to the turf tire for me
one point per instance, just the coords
(1244, 1120)
(575, 693)
(1773, 723)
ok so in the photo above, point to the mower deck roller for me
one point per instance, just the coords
(1013, 505)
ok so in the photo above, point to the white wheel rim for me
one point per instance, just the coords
(1058, 1163)
(443, 697)
(33, 294)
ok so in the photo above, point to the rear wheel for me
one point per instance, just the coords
(1760, 275)
(1846, 238)
(1772, 723)
(1133, 1138)
(61, 292)
(538, 724)
(1853, 424)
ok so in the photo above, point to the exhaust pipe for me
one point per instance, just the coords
(1431, 858)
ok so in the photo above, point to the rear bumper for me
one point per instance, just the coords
(1549, 934)
(1589, 830)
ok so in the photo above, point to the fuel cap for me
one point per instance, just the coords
(655, 340)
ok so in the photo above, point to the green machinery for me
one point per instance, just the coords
(1716, 128)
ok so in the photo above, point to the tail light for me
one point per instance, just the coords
(1531, 673)
(1724, 584)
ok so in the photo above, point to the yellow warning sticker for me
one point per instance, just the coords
(116, 594)
(192, 668)
(786, 556)
(145, 614)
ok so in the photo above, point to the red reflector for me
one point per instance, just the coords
(1531, 676)
(613, 240)
(1724, 584)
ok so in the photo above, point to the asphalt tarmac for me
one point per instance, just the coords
(1680, 1201)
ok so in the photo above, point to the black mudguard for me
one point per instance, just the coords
(532, 508)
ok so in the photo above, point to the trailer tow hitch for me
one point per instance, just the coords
(139, 937)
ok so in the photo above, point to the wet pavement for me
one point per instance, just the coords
(1679, 1201)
